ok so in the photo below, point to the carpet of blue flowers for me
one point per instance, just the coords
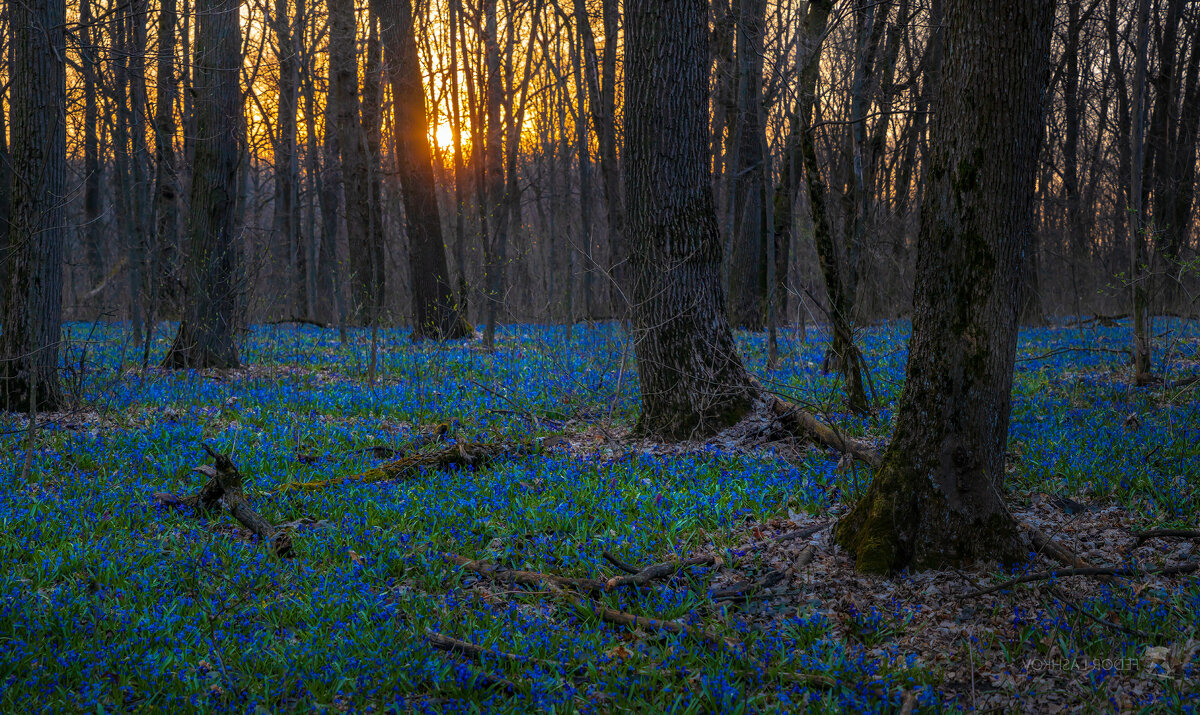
(109, 603)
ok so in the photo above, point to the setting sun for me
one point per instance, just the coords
(443, 135)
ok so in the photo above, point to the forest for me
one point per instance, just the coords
(599, 356)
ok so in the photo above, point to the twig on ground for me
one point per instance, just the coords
(461, 454)
(1122, 572)
(621, 618)
(1062, 596)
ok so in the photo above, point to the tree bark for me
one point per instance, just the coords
(92, 168)
(843, 353)
(937, 499)
(32, 320)
(602, 101)
(206, 333)
(285, 220)
(748, 255)
(343, 60)
(435, 310)
(692, 379)
(166, 182)
(495, 239)
(792, 170)
(1139, 276)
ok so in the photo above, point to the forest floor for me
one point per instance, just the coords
(112, 600)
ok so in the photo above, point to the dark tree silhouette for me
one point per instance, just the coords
(435, 310)
(938, 498)
(206, 333)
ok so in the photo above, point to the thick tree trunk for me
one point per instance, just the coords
(938, 498)
(206, 333)
(435, 310)
(692, 379)
(32, 320)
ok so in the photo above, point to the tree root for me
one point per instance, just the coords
(225, 485)
(468, 454)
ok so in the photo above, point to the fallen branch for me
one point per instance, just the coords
(1121, 572)
(454, 645)
(1062, 351)
(797, 419)
(470, 454)
(1165, 534)
(745, 589)
(663, 570)
(1105, 320)
(618, 563)
(621, 618)
(526, 578)
(1184, 382)
(787, 536)
(1044, 544)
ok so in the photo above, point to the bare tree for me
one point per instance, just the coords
(435, 311)
(366, 259)
(206, 333)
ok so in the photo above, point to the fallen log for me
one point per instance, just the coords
(463, 454)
